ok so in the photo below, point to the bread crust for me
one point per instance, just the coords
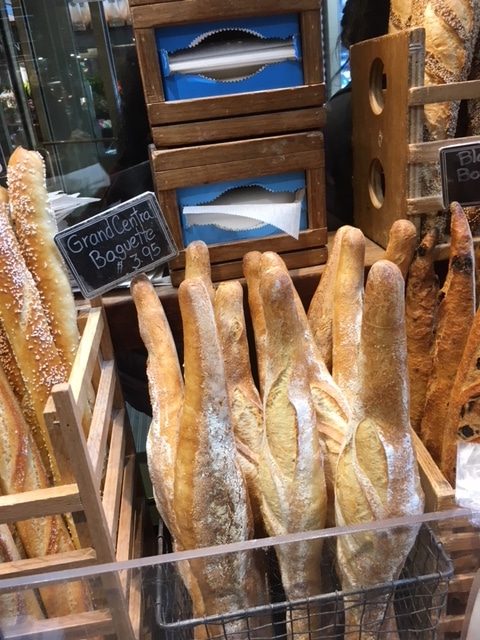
(197, 265)
(402, 241)
(35, 228)
(251, 271)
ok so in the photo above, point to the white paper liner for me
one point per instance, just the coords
(467, 486)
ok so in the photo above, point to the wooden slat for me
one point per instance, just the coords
(234, 128)
(451, 624)
(316, 204)
(135, 593)
(460, 583)
(462, 541)
(79, 625)
(427, 204)
(311, 35)
(423, 152)
(181, 12)
(439, 495)
(238, 104)
(149, 64)
(444, 92)
(40, 502)
(125, 523)
(99, 429)
(42, 564)
(87, 353)
(112, 489)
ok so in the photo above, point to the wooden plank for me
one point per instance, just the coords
(316, 204)
(135, 594)
(169, 205)
(234, 128)
(181, 12)
(424, 152)
(99, 429)
(238, 104)
(42, 564)
(312, 49)
(149, 64)
(426, 204)
(40, 502)
(451, 624)
(79, 625)
(125, 524)
(197, 157)
(460, 583)
(462, 541)
(429, 94)
(112, 489)
(439, 495)
(87, 352)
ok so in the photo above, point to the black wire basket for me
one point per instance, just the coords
(415, 601)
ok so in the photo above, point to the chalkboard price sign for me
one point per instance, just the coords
(460, 170)
(116, 244)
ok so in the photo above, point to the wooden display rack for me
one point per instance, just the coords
(175, 123)
(388, 98)
(104, 494)
(175, 168)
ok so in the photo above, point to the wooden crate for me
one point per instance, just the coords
(388, 98)
(103, 497)
(460, 539)
(147, 16)
(214, 163)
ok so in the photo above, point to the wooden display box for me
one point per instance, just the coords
(147, 16)
(389, 154)
(103, 498)
(215, 163)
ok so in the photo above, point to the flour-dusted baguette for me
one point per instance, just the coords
(402, 241)
(18, 606)
(421, 300)
(377, 475)
(347, 314)
(320, 311)
(210, 496)
(35, 228)
(331, 407)
(291, 460)
(197, 264)
(400, 15)
(245, 403)
(26, 327)
(455, 315)
(251, 271)
(463, 418)
(21, 469)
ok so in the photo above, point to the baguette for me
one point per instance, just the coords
(421, 300)
(455, 316)
(197, 265)
(331, 408)
(402, 241)
(291, 471)
(320, 311)
(463, 418)
(35, 228)
(19, 606)
(251, 271)
(400, 15)
(21, 469)
(28, 333)
(347, 314)
(210, 497)
(245, 403)
(377, 475)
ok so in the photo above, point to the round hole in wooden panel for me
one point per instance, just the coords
(376, 184)
(378, 84)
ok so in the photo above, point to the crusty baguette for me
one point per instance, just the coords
(331, 407)
(21, 469)
(455, 315)
(320, 311)
(16, 606)
(291, 460)
(210, 496)
(245, 403)
(35, 228)
(402, 241)
(26, 327)
(400, 15)
(347, 314)
(421, 300)
(251, 271)
(197, 265)
(463, 418)
(377, 474)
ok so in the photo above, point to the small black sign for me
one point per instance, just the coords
(460, 169)
(116, 244)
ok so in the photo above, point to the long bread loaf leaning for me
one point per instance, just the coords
(21, 470)
(210, 497)
(377, 474)
(455, 315)
(291, 460)
(402, 241)
(35, 228)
